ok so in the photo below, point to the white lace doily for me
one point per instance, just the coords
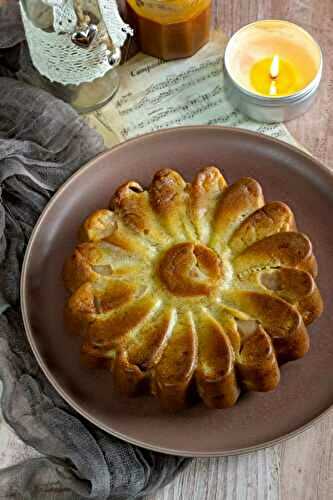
(56, 57)
(64, 18)
(117, 29)
(64, 15)
(54, 54)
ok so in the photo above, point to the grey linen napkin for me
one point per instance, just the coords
(42, 142)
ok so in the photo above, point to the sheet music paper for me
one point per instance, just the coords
(155, 94)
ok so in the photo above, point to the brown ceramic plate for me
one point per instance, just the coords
(258, 420)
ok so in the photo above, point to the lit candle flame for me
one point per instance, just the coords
(275, 67)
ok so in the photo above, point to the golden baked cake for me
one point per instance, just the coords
(186, 290)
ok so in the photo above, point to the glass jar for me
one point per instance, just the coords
(86, 96)
(170, 29)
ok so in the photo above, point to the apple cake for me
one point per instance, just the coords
(192, 290)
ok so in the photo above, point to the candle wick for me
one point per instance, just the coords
(272, 88)
(275, 67)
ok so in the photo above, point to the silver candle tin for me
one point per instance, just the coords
(264, 108)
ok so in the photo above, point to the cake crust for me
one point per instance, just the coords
(192, 290)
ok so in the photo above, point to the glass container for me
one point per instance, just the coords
(86, 96)
(170, 29)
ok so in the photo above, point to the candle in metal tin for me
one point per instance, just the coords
(272, 70)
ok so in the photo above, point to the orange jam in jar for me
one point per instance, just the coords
(170, 29)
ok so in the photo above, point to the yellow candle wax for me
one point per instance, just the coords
(288, 79)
